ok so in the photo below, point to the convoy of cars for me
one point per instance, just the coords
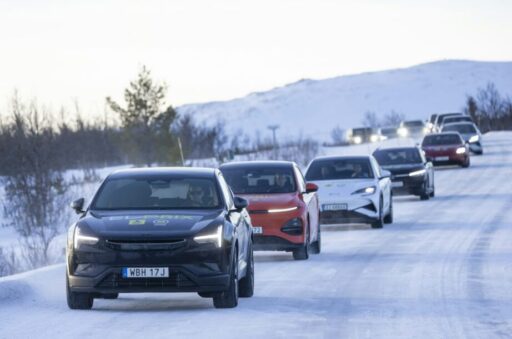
(181, 229)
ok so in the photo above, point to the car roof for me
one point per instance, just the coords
(396, 148)
(196, 172)
(339, 157)
(258, 163)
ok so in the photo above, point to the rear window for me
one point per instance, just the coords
(337, 169)
(463, 129)
(260, 180)
(157, 193)
(398, 156)
(442, 139)
(450, 120)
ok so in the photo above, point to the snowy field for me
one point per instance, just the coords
(442, 270)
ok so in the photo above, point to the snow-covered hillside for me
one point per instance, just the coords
(314, 107)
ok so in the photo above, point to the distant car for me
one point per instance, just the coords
(412, 129)
(161, 230)
(363, 135)
(352, 190)
(439, 120)
(469, 132)
(454, 119)
(283, 208)
(388, 133)
(430, 122)
(446, 148)
(411, 173)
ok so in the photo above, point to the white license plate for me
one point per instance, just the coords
(397, 184)
(442, 158)
(145, 272)
(257, 230)
(335, 207)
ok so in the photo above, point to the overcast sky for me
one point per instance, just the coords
(60, 51)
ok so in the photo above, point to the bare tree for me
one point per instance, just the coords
(370, 119)
(35, 189)
(392, 118)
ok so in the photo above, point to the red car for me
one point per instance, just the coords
(446, 148)
(284, 209)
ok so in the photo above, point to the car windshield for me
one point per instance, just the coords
(441, 118)
(415, 123)
(148, 193)
(387, 131)
(450, 120)
(260, 180)
(461, 128)
(398, 156)
(336, 169)
(363, 131)
(442, 139)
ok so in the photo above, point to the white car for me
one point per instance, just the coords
(352, 189)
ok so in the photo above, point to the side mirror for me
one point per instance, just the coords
(385, 174)
(240, 203)
(310, 187)
(78, 205)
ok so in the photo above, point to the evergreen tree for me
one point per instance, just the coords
(146, 124)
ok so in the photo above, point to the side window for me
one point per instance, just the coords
(300, 180)
(226, 191)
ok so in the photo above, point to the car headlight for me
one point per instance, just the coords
(403, 132)
(280, 210)
(461, 150)
(366, 190)
(79, 238)
(474, 138)
(358, 140)
(374, 138)
(417, 173)
(211, 238)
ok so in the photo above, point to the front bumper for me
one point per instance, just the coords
(98, 269)
(407, 185)
(273, 224)
(273, 243)
(475, 147)
(181, 279)
(360, 209)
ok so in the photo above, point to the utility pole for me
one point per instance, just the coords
(273, 128)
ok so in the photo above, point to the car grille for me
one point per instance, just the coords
(176, 279)
(149, 245)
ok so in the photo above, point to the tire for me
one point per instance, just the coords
(316, 247)
(78, 301)
(379, 223)
(302, 253)
(388, 219)
(425, 195)
(229, 298)
(433, 193)
(466, 164)
(110, 296)
(246, 284)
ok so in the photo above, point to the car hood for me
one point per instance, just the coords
(441, 147)
(403, 168)
(149, 224)
(331, 189)
(258, 202)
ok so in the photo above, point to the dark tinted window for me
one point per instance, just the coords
(398, 156)
(442, 117)
(433, 118)
(461, 128)
(259, 180)
(442, 139)
(449, 120)
(157, 193)
(415, 123)
(335, 169)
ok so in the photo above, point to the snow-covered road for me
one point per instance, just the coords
(442, 270)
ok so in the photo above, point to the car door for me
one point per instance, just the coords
(311, 201)
(238, 220)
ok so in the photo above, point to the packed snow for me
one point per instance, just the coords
(319, 105)
(443, 269)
